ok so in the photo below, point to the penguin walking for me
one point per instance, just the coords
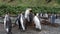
(7, 24)
(37, 22)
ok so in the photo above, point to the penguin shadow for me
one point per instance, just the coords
(32, 27)
(36, 29)
(49, 24)
(9, 33)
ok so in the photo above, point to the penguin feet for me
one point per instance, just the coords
(37, 29)
(9, 32)
(22, 30)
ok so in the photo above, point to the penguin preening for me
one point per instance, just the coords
(37, 22)
(29, 16)
(7, 24)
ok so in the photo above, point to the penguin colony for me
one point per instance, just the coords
(23, 20)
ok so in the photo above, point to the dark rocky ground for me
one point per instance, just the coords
(45, 30)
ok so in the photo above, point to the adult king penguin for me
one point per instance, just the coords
(7, 24)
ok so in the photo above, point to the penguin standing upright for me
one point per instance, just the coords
(41, 15)
(45, 15)
(21, 21)
(52, 18)
(29, 16)
(7, 24)
(17, 22)
(37, 22)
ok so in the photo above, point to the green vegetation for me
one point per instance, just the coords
(18, 6)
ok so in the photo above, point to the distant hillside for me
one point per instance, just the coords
(17, 6)
(34, 3)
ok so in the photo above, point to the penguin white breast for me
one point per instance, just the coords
(36, 20)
